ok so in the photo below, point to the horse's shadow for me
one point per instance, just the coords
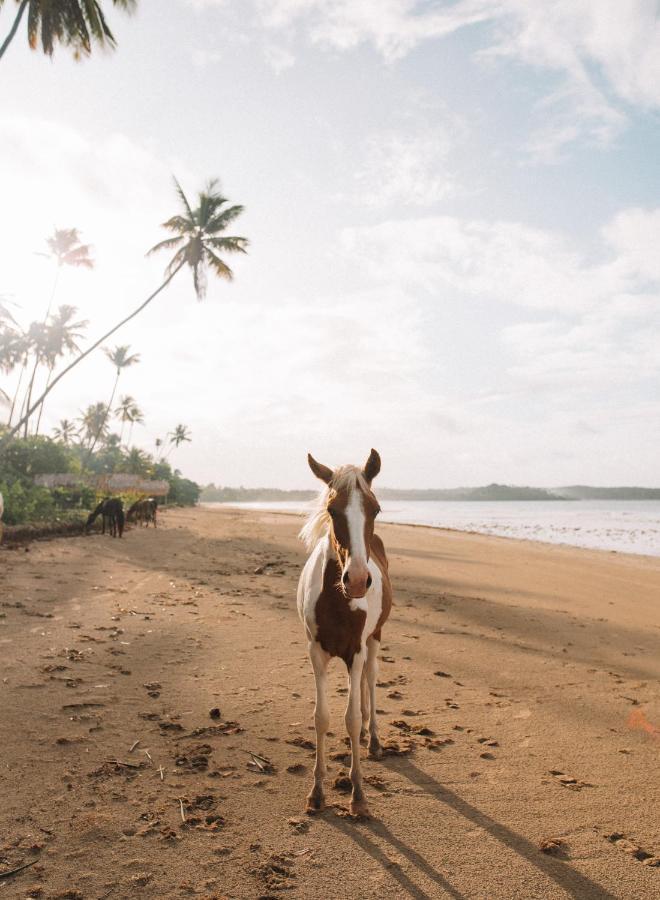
(568, 879)
(378, 829)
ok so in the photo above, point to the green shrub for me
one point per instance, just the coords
(26, 503)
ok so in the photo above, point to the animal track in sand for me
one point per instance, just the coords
(623, 843)
(573, 784)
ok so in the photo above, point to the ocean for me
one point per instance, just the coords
(626, 526)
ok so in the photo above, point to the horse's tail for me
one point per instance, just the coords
(120, 520)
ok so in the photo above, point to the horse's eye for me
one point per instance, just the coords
(331, 513)
(377, 510)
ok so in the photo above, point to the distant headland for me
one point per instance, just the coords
(490, 492)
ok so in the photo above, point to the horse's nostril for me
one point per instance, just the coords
(344, 577)
(368, 581)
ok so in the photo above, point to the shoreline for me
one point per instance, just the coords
(443, 528)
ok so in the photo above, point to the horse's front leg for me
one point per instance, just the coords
(358, 805)
(319, 659)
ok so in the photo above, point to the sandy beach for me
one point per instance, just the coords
(518, 693)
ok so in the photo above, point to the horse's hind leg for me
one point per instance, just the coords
(319, 659)
(371, 667)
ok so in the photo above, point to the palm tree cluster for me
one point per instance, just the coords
(198, 240)
(43, 342)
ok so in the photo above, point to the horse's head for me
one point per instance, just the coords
(352, 508)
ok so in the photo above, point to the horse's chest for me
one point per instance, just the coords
(339, 628)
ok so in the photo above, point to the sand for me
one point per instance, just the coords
(519, 682)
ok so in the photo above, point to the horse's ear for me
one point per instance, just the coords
(321, 471)
(372, 466)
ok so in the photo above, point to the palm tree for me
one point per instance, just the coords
(13, 349)
(136, 415)
(198, 237)
(178, 436)
(93, 422)
(61, 337)
(37, 341)
(124, 411)
(158, 443)
(137, 462)
(120, 359)
(16, 352)
(65, 432)
(65, 249)
(193, 252)
(73, 23)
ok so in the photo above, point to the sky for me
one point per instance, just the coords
(454, 219)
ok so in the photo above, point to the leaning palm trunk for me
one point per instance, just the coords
(50, 370)
(16, 392)
(41, 408)
(10, 434)
(28, 395)
(14, 28)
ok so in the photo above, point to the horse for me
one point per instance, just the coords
(112, 510)
(344, 599)
(143, 511)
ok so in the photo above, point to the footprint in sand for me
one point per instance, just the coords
(632, 848)
(573, 784)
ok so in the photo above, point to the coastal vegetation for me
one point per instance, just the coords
(31, 353)
(46, 481)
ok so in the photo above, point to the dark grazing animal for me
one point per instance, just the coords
(112, 511)
(143, 511)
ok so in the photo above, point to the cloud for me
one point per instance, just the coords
(202, 58)
(588, 326)
(405, 169)
(505, 261)
(603, 57)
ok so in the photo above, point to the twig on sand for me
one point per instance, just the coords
(183, 815)
(256, 756)
(146, 752)
(19, 868)
(129, 765)
(133, 745)
(160, 770)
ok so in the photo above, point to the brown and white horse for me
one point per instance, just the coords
(344, 597)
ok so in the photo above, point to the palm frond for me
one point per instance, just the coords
(220, 222)
(220, 268)
(167, 244)
(229, 244)
(184, 200)
(179, 223)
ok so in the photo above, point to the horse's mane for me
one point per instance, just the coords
(318, 520)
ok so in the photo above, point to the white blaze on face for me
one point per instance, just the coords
(355, 519)
(356, 564)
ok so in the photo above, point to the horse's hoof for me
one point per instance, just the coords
(364, 734)
(315, 804)
(375, 750)
(359, 809)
